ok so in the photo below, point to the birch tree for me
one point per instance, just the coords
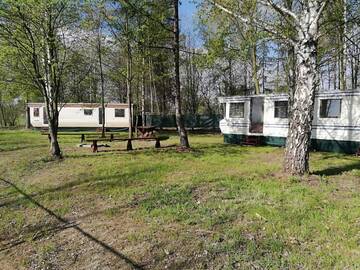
(36, 29)
(305, 21)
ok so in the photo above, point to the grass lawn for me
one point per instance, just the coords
(216, 207)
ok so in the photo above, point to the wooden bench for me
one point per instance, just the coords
(94, 145)
(82, 135)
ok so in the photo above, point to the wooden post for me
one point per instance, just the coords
(129, 145)
(157, 143)
(94, 146)
(82, 138)
(111, 137)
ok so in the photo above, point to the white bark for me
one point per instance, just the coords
(301, 111)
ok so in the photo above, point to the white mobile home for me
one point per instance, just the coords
(336, 122)
(82, 115)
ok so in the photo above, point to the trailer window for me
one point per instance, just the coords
(330, 108)
(88, 111)
(119, 113)
(281, 109)
(36, 112)
(237, 110)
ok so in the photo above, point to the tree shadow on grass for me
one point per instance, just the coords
(110, 181)
(337, 170)
(65, 222)
(38, 232)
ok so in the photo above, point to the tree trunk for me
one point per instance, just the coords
(143, 93)
(54, 144)
(184, 142)
(129, 76)
(291, 73)
(151, 89)
(52, 94)
(3, 115)
(254, 69)
(343, 49)
(102, 83)
(27, 117)
(53, 123)
(301, 112)
(357, 74)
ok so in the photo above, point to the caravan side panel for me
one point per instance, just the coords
(117, 121)
(76, 117)
(344, 128)
(82, 115)
(274, 127)
(239, 126)
(37, 116)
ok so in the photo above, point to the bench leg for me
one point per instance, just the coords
(94, 147)
(129, 145)
(82, 139)
(157, 143)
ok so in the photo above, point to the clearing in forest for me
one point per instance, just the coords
(217, 206)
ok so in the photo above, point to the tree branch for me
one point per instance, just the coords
(264, 26)
(280, 9)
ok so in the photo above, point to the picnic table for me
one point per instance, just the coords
(146, 131)
(83, 135)
(95, 146)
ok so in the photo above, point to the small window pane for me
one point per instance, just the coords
(88, 111)
(119, 113)
(36, 112)
(330, 108)
(281, 109)
(237, 110)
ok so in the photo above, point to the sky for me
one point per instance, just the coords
(188, 20)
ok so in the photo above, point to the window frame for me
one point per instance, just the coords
(327, 100)
(36, 109)
(287, 109)
(119, 109)
(87, 110)
(243, 110)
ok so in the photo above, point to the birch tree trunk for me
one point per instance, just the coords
(301, 111)
(255, 69)
(129, 76)
(51, 98)
(143, 92)
(341, 42)
(151, 88)
(99, 51)
(52, 86)
(184, 142)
